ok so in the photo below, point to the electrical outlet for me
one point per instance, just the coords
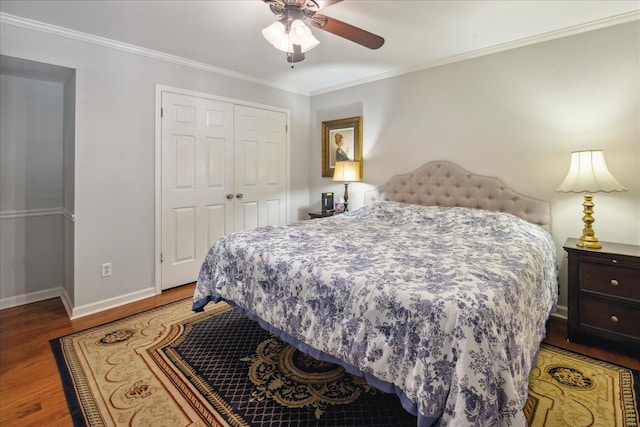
(106, 269)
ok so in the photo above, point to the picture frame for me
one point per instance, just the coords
(341, 140)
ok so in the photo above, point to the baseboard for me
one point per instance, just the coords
(66, 301)
(29, 298)
(96, 307)
(561, 312)
(75, 312)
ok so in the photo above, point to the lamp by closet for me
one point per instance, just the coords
(347, 172)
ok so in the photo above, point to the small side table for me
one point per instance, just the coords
(604, 293)
(320, 214)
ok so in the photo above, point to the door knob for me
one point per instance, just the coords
(239, 195)
(229, 196)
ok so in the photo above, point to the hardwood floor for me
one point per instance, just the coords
(557, 335)
(30, 388)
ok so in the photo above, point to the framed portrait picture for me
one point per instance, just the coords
(341, 140)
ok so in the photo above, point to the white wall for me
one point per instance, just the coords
(31, 186)
(31, 112)
(516, 115)
(114, 153)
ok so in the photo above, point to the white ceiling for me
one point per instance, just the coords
(226, 35)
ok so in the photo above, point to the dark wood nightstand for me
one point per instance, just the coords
(604, 293)
(320, 214)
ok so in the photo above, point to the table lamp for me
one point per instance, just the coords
(347, 171)
(588, 174)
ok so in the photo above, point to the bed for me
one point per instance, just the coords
(438, 290)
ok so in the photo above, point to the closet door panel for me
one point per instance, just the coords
(261, 166)
(197, 172)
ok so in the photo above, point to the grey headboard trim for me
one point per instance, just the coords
(442, 183)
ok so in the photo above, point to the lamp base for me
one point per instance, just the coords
(589, 242)
(346, 197)
(588, 239)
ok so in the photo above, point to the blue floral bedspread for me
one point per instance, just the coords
(444, 306)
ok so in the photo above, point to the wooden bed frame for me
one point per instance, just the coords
(442, 183)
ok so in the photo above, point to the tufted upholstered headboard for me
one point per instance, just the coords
(442, 183)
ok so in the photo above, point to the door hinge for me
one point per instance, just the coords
(286, 128)
(161, 112)
(161, 258)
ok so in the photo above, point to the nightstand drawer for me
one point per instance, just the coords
(610, 280)
(619, 319)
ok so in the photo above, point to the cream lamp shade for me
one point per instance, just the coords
(588, 174)
(347, 171)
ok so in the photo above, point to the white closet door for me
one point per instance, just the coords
(197, 175)
(260, 167)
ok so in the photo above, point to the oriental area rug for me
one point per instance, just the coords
(171, 367)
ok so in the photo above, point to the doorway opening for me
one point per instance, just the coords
(37, 152)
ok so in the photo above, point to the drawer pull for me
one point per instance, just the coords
(615, 261)
(614, 319)
(614, 282)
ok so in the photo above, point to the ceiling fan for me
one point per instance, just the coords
(291, 34)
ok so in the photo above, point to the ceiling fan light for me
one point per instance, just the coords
(284, 44)
(298, 31)
(301, 35)
(309, 43)
(274, 33)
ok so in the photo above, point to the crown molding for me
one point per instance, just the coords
(30, 24)
(552, 35)
(102, 41)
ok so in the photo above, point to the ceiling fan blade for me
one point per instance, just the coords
(347, 31)
(326, 3)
